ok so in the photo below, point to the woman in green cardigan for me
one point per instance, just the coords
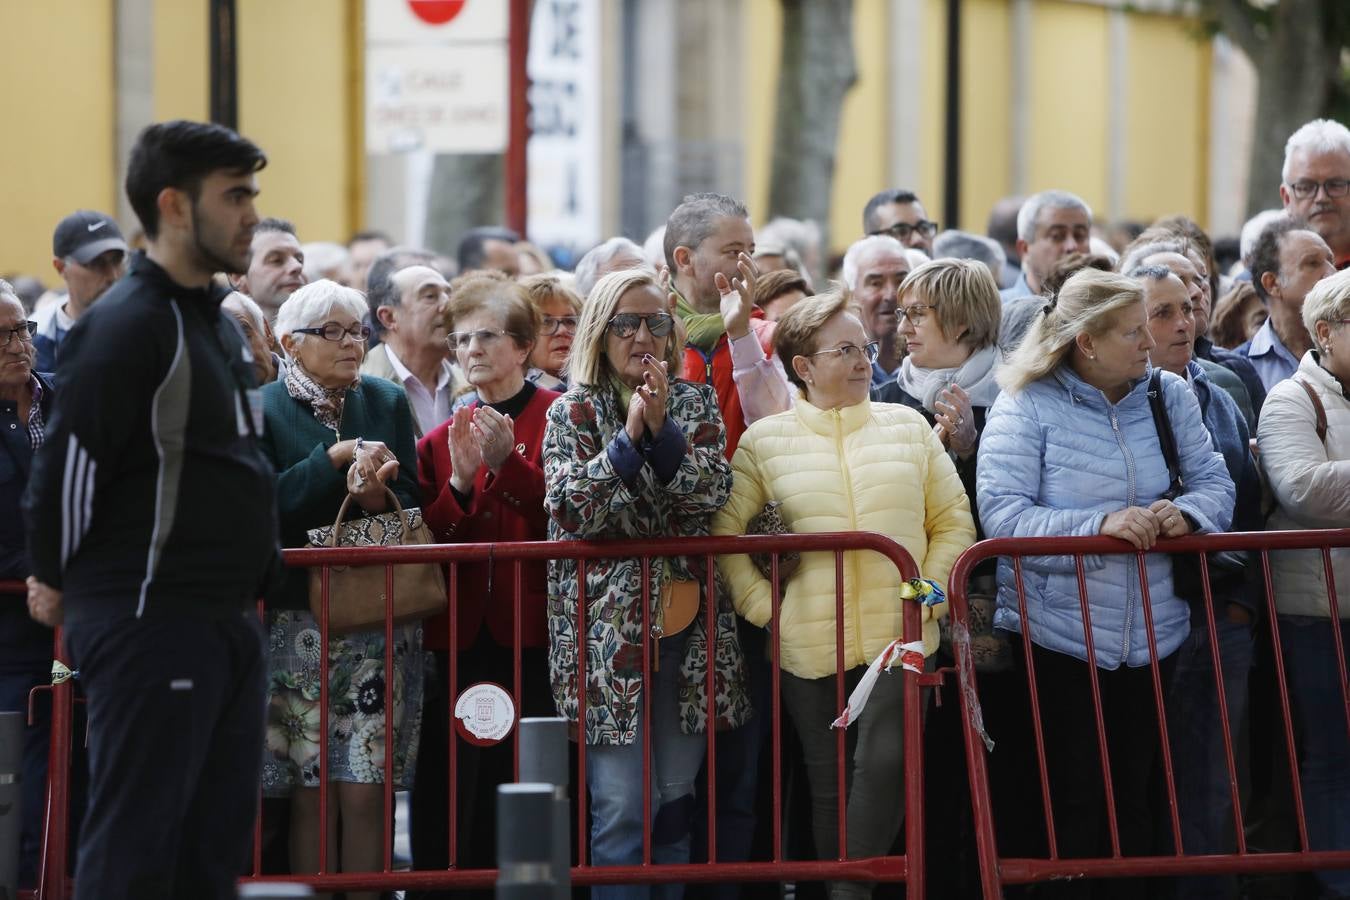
(329, 433)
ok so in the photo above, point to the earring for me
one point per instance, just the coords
(1092, 356)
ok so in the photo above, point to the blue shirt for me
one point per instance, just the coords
(1020, 288)
(1269, 356)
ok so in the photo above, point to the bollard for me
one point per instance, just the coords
(525, 852)
(11, 801)
(543, 759)
(279, 890)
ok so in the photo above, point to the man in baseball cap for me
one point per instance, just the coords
(89, 253)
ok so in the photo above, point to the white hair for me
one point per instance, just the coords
(955, 244)
(1328, 301)
(310, 306)
(654, 248)
(1099, 247)
(589, 266)
(1052, 199)
(856, 251)
(246, 305)
(323, 259)
(916, 257)
(1251, 231)
(801, 235)
(1317, 136)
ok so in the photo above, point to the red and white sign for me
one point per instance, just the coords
(484, 714)
(436, 12)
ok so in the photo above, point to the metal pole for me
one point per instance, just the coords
(524, 850)
(224, 64)
(11, 800)
(516, 164)
(543, 760)
(951, 152)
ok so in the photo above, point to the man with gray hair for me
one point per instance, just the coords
(965, 245)
(1050, 226)
(874, 268)
(1315, 183)
(613, 255)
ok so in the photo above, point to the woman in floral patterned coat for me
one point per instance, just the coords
(632, 452)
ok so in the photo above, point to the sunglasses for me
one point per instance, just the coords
(625, 325)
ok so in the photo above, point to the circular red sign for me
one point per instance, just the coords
(436, 12)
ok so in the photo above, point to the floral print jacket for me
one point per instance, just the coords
(588, 500)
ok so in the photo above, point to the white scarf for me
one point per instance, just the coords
(975, 376)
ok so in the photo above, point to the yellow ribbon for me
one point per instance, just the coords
(61, 673)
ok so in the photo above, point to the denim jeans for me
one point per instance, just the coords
(1200, 766)
(614, 777)
(1324, 763)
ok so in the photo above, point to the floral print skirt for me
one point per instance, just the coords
(356, 707)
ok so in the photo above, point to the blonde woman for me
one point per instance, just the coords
(632, 451)
(1070, 449)
(838, 462)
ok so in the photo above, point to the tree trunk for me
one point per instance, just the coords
(816, 70)
(1295, 66)
(466, 191)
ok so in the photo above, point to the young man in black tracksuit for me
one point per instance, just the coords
(152, 531)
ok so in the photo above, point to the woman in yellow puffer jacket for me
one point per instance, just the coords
(837, 462)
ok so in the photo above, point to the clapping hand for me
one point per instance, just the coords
(495, 435)
(466, 454)
(647, 408)
(738, 297)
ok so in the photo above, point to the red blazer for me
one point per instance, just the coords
(505, 507)
(717, 371)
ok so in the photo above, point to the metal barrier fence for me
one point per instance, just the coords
(997, 867)
(907, 867)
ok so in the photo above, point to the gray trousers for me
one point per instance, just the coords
(874, 766)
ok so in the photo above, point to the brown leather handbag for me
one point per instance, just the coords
(356, 598)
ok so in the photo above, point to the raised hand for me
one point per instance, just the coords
(738, 296)
(655, 391)
(495, 435)
(466, 456)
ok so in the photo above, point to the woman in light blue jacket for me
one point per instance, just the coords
(1070, 449)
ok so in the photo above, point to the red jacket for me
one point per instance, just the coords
(505, 507)
(716, 370)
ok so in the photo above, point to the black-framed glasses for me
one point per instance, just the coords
(902, 230)
(332, 331)
(551, 324)
(625, 325)
(24, 333)
(915, 312)
(460, 340)
(869, 351)
(1306, 189)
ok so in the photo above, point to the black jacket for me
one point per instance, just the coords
(24, 644)
(150, 495)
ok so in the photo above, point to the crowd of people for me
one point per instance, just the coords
(945, 387)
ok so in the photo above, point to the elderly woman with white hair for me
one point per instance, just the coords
(332, 434)
(1304, 436)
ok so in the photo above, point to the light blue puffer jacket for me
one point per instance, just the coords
(1056, 459)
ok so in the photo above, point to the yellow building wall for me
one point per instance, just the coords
(986, 110)
(761, 63)
(1167, 120)
(861, 164)
(58, 153)
(1069, 101)
(182, 60)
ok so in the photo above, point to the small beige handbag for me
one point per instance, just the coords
(356, 598)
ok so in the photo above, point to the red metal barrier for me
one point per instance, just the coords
(997, 868)
(907, 867)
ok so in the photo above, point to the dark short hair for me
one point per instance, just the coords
(380, 287)
(1151, 273)
(1068, 266)
(180, 155)
(273, 224)
(1265, 255)
(884, 198)
(695, 218)
(470, 253)
(371, 235)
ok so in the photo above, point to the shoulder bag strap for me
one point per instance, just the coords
(1318, 408)
(1166, 439)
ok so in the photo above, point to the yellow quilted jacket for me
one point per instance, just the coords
(869, 467)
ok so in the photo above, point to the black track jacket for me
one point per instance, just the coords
(150, 496)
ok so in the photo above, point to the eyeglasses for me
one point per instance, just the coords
(460, 340)
(551, 324)
(915, 312)
(332, 331)
(1334, 187)
(868, 351)
(902, 230)
(625, 325)
(24, 333)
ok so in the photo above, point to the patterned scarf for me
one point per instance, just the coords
(326, 402)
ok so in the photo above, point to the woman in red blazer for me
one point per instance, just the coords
(483, 482)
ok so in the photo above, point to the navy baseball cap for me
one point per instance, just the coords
(84, 235)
